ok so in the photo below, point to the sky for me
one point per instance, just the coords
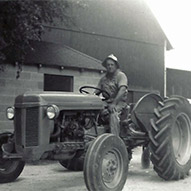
(174, 17)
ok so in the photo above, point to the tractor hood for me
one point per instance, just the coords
(64, 100)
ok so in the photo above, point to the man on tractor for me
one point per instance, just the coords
(115, 83)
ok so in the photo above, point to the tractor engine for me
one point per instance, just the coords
(73, 125)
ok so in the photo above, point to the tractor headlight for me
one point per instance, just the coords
(52, 111)
(10, 113)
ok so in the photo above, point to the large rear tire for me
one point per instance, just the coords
(106, 164)
(10, 169)
(170, 138)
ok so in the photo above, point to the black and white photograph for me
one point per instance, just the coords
(95, 95)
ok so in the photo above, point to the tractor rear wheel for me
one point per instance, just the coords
(106, 164)
(170, 138)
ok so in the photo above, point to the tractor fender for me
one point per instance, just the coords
(5, 135)
(143, 111)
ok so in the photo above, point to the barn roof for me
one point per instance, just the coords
(51, 54)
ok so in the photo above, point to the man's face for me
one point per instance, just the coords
(111, 66)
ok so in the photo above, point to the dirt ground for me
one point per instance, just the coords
(51, 176)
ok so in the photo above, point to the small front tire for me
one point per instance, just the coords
(10, 169)
(106, 164)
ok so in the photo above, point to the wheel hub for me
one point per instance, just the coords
(181, 137)
(111, 168)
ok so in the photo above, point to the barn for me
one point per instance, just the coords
(70, 56)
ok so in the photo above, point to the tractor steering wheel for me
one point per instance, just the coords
(106, 94)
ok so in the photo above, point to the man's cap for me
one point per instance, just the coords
(112, 57)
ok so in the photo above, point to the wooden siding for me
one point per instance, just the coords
(178, 82)
(125, 28)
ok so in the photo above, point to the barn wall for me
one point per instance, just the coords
(178, 82)
(32, 79)
(126, 28)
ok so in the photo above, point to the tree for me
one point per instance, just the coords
(22, 21)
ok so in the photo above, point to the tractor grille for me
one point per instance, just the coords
(32, 121)
(18, 126)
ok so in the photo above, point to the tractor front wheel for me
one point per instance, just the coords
(10, 169)
(106, 164)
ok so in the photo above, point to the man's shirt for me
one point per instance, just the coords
(112, 83)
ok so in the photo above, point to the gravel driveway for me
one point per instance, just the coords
(51, 176)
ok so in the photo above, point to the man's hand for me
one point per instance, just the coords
(112, 108)
(97, 92)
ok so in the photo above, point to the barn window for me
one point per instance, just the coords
(58, 83)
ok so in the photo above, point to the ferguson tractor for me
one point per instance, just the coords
(68, 127)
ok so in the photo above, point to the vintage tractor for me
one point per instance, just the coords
(68, 127)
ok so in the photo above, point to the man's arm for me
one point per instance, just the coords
(118, 98)
(120, 94)
(123, 86)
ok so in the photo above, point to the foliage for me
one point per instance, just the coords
(22, 21)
